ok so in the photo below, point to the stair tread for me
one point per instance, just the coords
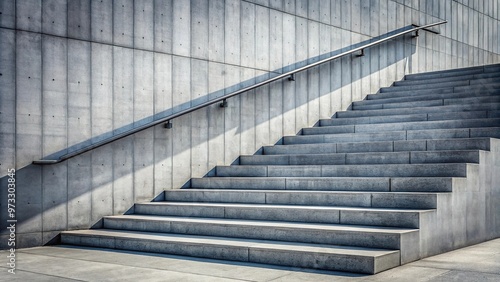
(419, 110)
(347, 165)
(383, 132)
(444, 122)
(471, 76)
(478, 139)
(267, 223)
(428, 103)
(187, 190)
(235, 242)
(264, 206)
(421, 98)
(363, 153)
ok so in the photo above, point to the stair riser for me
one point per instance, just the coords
(450, 74)
(367, 128)
(384, 146)
(431, 134)
(431, 103)
(411, 118)
(419, 110)
(443, 74)
(425, 86)
(419, 92)
(322, 183)
(475, 90)
(255, 254)
(478, 88)
(366, 158)
(348, 199)
(481, 77)
(437, 85)
(315, 236)
(390, 218)
(454, 72)
(380, 184)
(421, 170)
(425, 98)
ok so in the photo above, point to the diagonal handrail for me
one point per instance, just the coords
(222, 99)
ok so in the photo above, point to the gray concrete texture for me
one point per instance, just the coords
(75, 72)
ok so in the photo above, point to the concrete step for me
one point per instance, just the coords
(374, 184)
(400, 200)
(481, 76)
(414, 125)
(315, 233)
(428, 97)
(432, 84)
(453, 72)
(420, 110)
(385, 170)
(411, 117)
(381, 146)
(406, 218)
(329, 257)
(473, 90)
(363, 158)
(478, 87)
(431, 103)
(428, 134)
(425, 86)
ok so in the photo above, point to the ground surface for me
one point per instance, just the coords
(65, 263)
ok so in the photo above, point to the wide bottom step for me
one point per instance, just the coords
(330, 257)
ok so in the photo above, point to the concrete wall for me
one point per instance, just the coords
(75, 72)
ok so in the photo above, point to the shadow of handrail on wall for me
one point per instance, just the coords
(216, 94)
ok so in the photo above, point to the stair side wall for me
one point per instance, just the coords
(471, 213)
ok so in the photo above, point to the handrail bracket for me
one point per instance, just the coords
(168, 124)
(291, 77)
(361, 54)
(223, 104)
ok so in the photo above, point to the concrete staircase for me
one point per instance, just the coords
(407, 173)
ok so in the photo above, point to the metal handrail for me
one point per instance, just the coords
(222, 99)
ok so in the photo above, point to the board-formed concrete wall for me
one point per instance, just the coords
(75, 72)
